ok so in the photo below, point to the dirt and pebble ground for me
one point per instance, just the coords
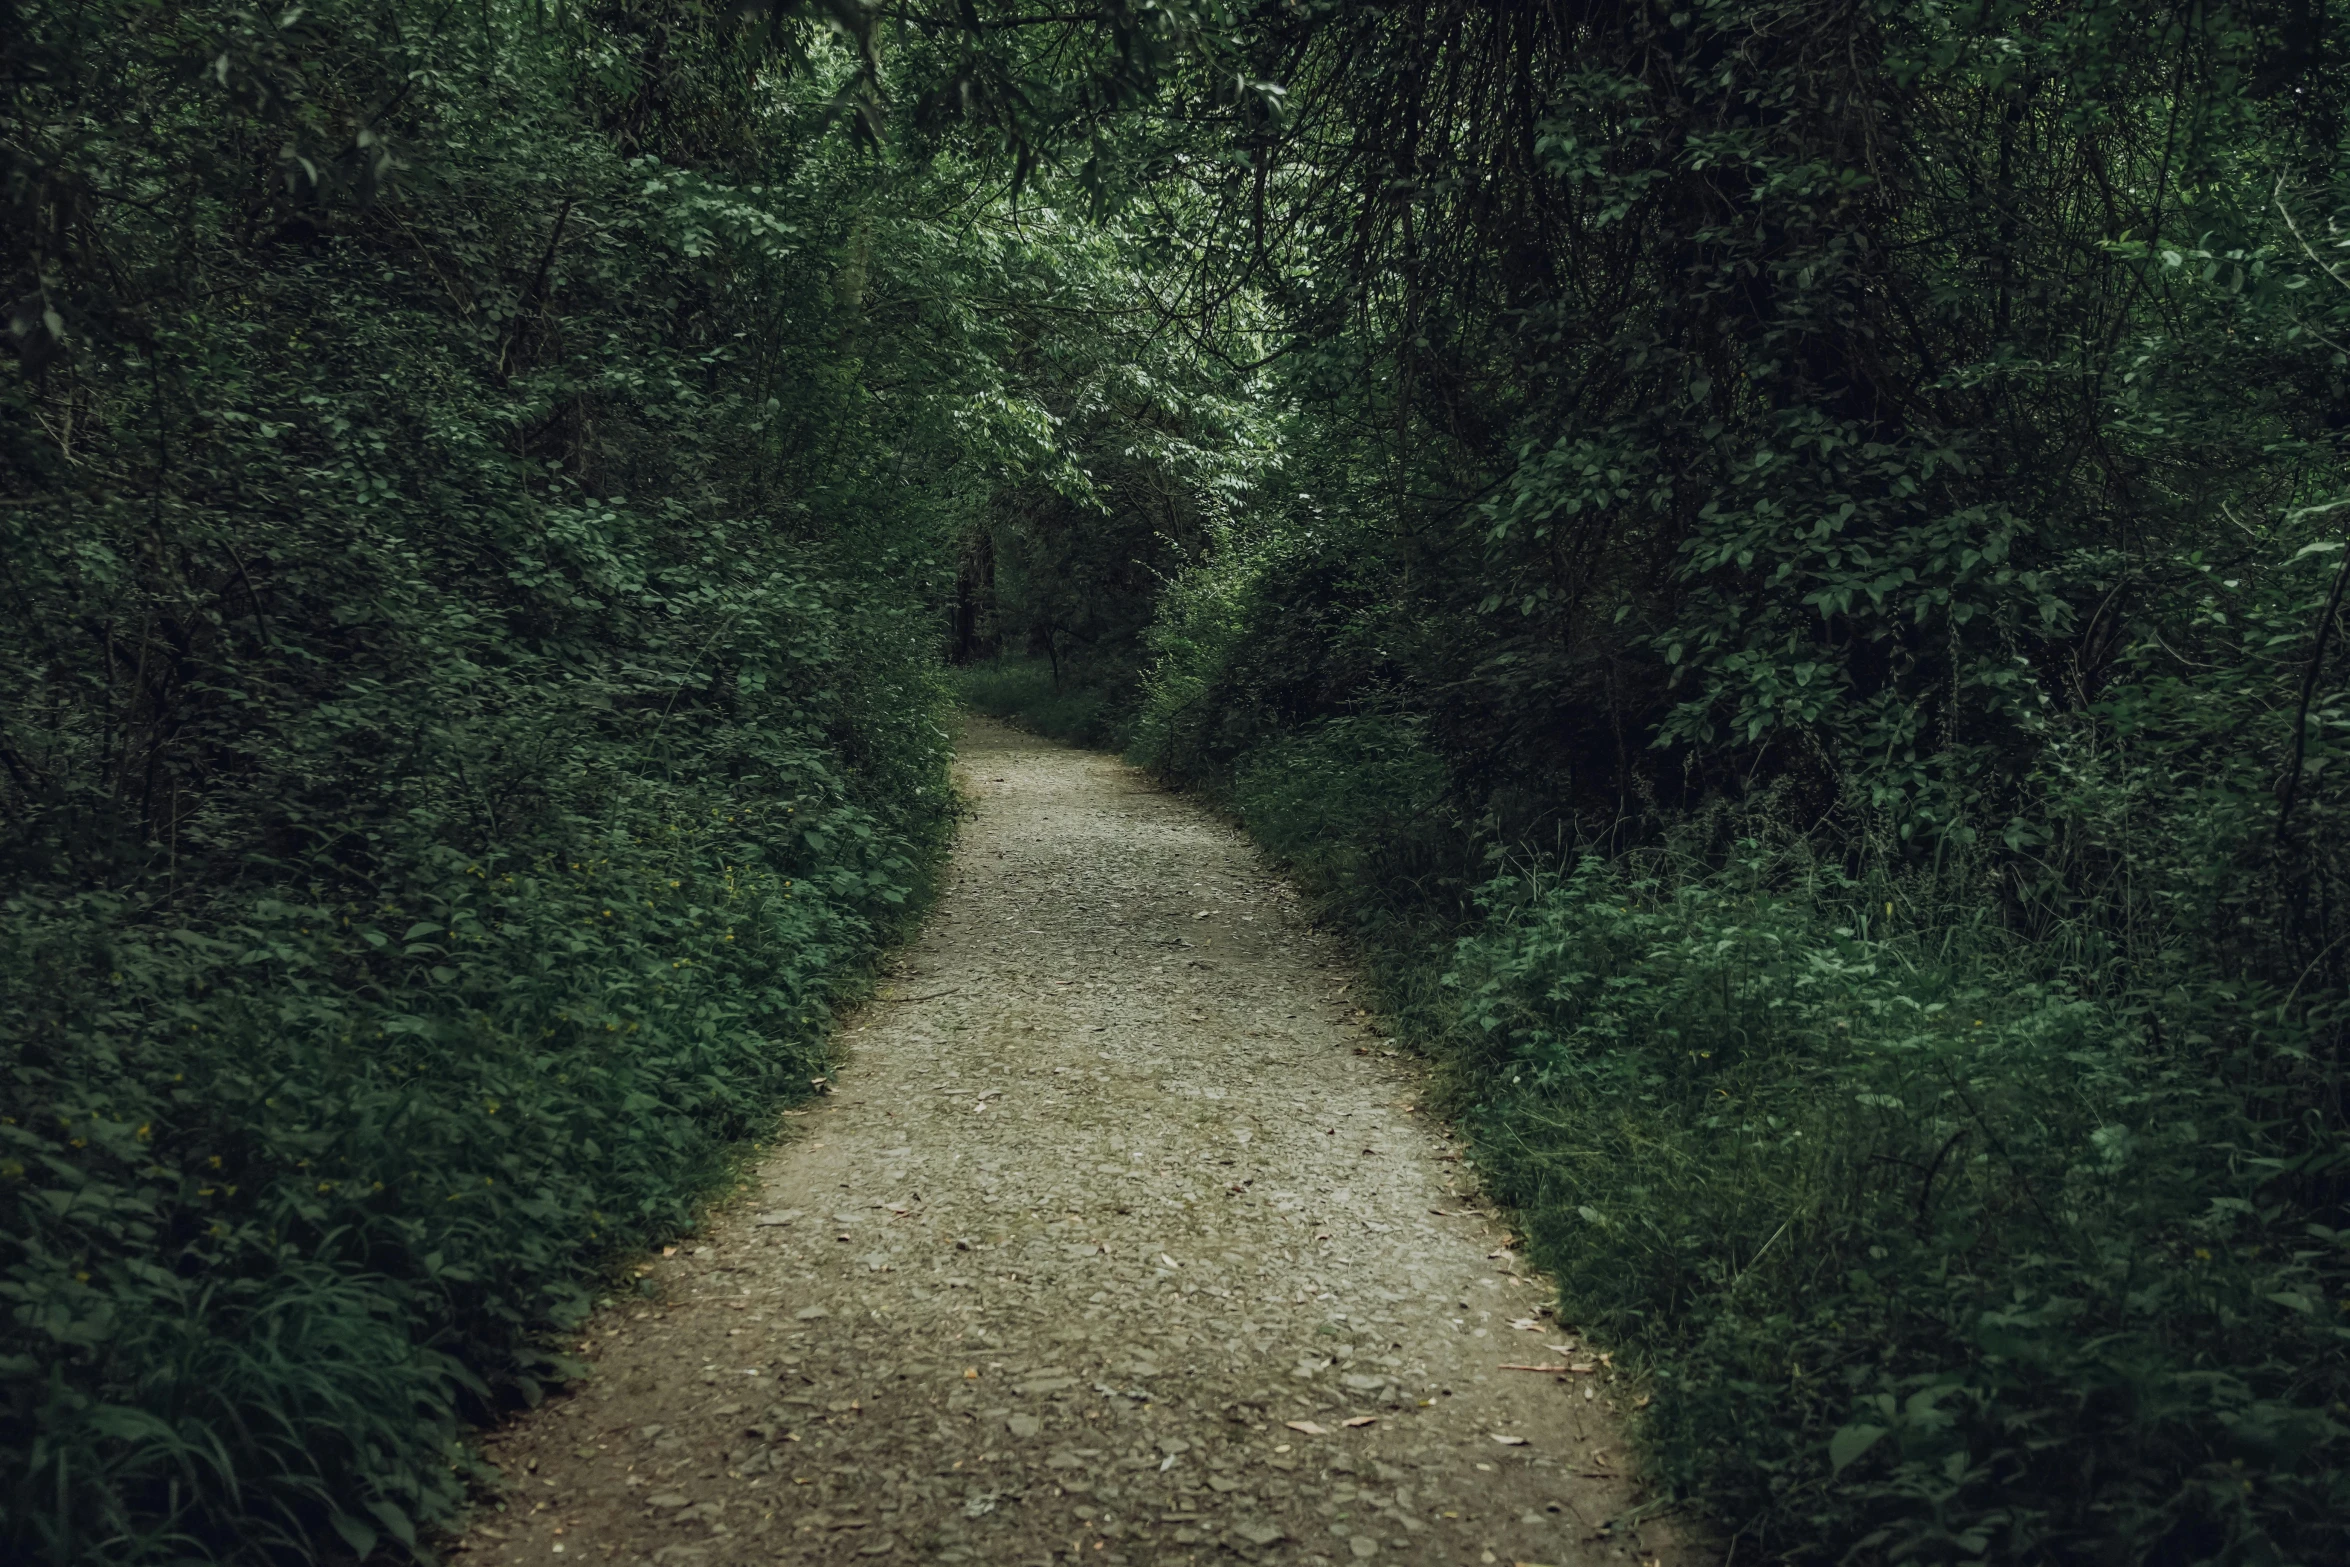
(1123, 1240)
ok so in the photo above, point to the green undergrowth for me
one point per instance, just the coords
(468, 716)
(303, 1180)
(1931, 1245)
(1024, 691)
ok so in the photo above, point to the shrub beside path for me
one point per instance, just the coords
(1124, 1240)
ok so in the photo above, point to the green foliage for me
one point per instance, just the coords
(1931, 1254)
(1355, 802)
(1928, 1244)
(1799, 529)
(1143, 449)
(1730, 542)
(1023, 691)
(468, 720)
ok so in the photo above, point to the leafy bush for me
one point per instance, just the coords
(1354, 802)
(298, 1182)
(1932, 1255)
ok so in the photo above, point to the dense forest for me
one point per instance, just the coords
(1778, 565)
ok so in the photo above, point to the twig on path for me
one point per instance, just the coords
(933, 996)
(1581, 1371)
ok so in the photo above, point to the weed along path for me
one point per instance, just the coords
(1122, 1242)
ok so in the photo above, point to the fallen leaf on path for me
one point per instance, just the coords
(1509, 1441)
(1527, 1325)
(1308, 1427)
(1361, 1420)
(771, 1220)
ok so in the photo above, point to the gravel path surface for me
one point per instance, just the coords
(1122, 1241)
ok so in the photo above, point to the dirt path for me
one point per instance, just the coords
(1121, 1243)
